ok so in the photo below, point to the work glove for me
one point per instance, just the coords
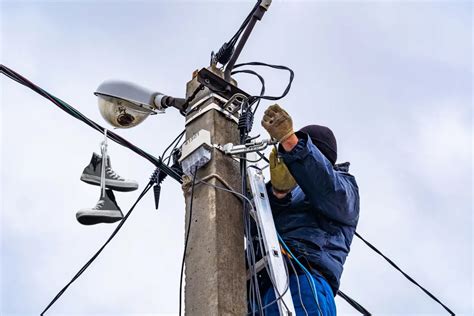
(278, 123)
(280, 177)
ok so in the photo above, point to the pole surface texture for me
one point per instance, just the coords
(215, 267)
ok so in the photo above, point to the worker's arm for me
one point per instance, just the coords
(335, 194)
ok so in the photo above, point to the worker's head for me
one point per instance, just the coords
(323, 138)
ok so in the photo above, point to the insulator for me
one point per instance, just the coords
(155, 175)
(225, 53)
(246, 121)
(157, 191)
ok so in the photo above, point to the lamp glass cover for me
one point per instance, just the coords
(122, 113)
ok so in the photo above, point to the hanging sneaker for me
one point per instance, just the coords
(113, 181)
(106, 211)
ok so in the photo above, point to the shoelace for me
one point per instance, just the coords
(99, 205)
(112, 174)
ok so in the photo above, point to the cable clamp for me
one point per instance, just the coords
(252, 146)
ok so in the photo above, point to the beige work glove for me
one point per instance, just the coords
(278, 123)
(280, 177)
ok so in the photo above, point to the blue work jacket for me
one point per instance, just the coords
(317, 220)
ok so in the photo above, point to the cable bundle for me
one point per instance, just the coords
(227, 49)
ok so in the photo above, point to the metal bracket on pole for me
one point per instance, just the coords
(253, 146)
(216, 102)
(218, 85)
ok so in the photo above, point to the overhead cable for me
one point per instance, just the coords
(186, 240)
(279, 67)
(404, 274)
(88, 263)
(262, 81)
(353, 303)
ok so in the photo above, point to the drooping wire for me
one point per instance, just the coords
(78, 115)
(280, 67)
(186, 241)
(91, 260)
(245, 125)
(404, 274)
(262, 81)
(176, 140)
(353, 303)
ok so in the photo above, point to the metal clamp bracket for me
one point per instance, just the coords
(253, 146)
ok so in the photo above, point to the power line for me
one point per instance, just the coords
(88, 263)
(186, 241)
(353, 303)
(279, 67)
(404, 274)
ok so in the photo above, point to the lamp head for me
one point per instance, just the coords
(124, 104)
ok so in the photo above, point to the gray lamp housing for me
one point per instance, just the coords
(124, 104)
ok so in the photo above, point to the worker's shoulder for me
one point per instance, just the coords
(342, 170)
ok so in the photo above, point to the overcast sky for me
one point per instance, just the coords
(392, 79)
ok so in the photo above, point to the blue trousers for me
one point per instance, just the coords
(324, 293)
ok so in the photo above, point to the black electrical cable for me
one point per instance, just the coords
(88, 263)
(190, 99)
(279, 67)
(78, 115)
(262, 81)
(404, 274)
(263, 157)
(237, 34)
(176, 140)
(186, 240)
(354, 304)
(226, 51)
(280, 295)
(250, 252)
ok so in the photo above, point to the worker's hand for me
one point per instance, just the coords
(280, 177)
(278, 123)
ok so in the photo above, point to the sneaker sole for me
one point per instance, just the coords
(98, 217)
(109, 184)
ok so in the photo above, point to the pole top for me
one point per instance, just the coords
(265, 4)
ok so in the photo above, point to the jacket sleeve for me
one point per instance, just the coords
(333, 193)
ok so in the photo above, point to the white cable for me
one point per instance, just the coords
(103, 149)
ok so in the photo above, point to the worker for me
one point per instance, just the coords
(315, 206)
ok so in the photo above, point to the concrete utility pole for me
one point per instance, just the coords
(215, 260)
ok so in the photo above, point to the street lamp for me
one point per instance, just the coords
(124, 104)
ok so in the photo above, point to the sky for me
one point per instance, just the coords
(392, 79)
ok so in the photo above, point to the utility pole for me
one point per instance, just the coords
(215, 261)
